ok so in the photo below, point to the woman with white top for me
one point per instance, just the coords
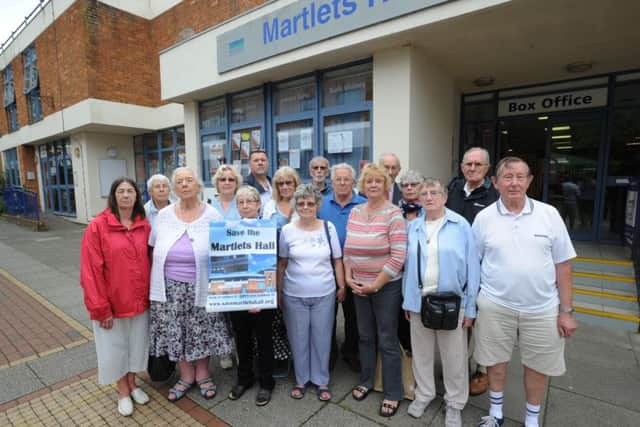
(309, 265)
(442, 256)
(180, 326)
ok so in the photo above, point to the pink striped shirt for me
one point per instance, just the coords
(375, 242)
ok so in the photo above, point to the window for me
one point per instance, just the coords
(158, 152)
(31, 86)
(56, 168)
(327, 113)
(9, 99)
(12, 167)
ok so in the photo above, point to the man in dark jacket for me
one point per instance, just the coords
(258, 178)
(468, 196)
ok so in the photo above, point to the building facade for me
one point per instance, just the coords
(558, 84)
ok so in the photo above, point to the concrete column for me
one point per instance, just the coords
(192, 137)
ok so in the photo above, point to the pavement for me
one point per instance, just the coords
(48, 375)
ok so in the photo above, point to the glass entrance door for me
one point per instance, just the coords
(573, 172)
(564, 154)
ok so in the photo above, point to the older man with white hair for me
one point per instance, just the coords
(391, 163)
(159, 191)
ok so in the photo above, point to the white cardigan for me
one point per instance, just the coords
(166, 232)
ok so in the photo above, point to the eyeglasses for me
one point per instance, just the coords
(284, 183)
(324, 168)
(409, 184)
(245, 202)
(432, 193)
(226, 179)
(306, 204)
(471, 164)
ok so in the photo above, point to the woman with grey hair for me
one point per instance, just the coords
(159, 189)
(309, 248)
(227, 180)
(180, 326)
(409, 203)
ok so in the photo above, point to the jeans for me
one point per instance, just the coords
(309, 324)
(378, 321)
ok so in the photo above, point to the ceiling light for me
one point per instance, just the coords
(484, 81)
(559, 128)
(579, 66)
(564, 147)
(560, 136)
(543, 117)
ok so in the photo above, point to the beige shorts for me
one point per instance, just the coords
(497, 329)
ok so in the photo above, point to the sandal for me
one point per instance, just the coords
(297, 392)
(387, 409)
(177, 392)
(364, 392)
(263, 397)
(205, 390)
(324, 394)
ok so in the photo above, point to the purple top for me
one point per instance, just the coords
(180, 263)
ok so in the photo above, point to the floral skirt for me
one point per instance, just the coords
(184, 331)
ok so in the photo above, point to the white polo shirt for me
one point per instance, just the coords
(519, 254)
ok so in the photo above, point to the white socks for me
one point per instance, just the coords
(496, 399)
(531, 415)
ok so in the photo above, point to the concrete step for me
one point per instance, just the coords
(607, 316)
(605, 280)
(624, 299)
(603, 266)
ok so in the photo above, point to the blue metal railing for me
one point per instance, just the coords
(21, 202)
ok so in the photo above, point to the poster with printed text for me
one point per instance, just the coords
(242, 265)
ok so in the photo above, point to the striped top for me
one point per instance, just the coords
(375, 242)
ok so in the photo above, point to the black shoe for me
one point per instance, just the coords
(263, 397)
(237, 391)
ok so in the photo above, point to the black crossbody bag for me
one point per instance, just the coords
(439, 310)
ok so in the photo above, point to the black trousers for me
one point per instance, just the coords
(350, 344)
(245, 324)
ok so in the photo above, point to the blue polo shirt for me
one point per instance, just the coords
(338, 215)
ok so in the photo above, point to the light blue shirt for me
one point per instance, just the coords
(458, 262)
(151, 211)
(230, 214)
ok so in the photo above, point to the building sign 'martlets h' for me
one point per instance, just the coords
(305, 22)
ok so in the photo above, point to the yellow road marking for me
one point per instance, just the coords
(599, 313)
(604, 277)
(604, 295)
(604, 261)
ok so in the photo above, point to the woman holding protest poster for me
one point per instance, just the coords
(246, 323)
(180, 326)
(309, 265)
(226, 180)
(114, 274)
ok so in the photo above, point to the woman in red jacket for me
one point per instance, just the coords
(114, 273)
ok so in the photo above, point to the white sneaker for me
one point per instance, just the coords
(417, 408)
(453, 417)
(226, 362)
(139, 396)
(125, 406)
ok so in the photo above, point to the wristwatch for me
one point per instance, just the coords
(568, 310)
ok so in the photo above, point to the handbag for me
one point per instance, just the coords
(160, 368)
(408, 380)
(439, 310)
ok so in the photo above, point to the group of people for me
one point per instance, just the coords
(377, 245)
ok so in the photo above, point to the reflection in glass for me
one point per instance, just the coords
(167, 139)
(213, 154)
(213, 114)
(294, 96)
(243, 142)
(347, 86)
(247, 107)
(624, 157)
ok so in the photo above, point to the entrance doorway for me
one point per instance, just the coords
(57, 178)
(564, 152)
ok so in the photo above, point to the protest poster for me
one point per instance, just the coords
(242, 265)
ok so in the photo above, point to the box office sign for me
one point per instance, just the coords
(566, 101)
(305, 22)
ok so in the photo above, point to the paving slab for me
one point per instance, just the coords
(332, 414)
(573, 410)
(18, 381)
(60, 366)
(620, 387)
(369, 408)
(471, 416)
